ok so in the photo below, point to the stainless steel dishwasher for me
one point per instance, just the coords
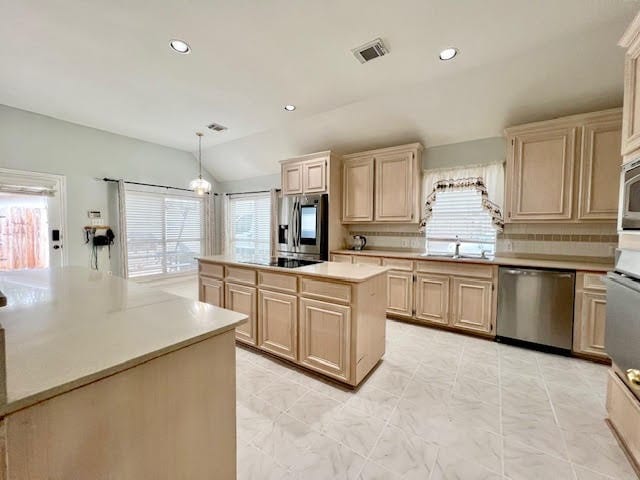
(535, 308)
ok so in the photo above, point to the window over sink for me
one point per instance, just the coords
(460, 214)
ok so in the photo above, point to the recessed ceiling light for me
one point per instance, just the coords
(180, 46)
(289, 108)
(448, 53)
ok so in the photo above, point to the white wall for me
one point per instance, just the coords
(37, 143)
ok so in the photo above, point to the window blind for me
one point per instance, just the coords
(250, 225)
(460, 213)
(164, 233)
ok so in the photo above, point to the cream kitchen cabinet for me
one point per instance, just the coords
(362, 260)
(631, 112)
(357, 189)
(541, 175)
(600, 162)
(325, 343)
(242, 299)
(277, 324)
(333, 323)
(564, 170)
(306, 174)
(212, 291)
(432, 298)
(472, 304)
(341, 258)
(292, 179)
(382, 186)
(395, 186)
(400, 293)
(590, 315)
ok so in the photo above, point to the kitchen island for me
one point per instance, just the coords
(327, 317)
(109, 379)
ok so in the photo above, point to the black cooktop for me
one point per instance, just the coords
(283, 262)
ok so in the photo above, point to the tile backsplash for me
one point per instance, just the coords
(593, 240)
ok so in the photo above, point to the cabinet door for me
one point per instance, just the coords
(540, 175)
(291, 178)
(472, 305)
(278, 324)
(314, 176)
(592, 320)
(432, 298)
(338, 258)
(394, 187)
(357, 190)
(242, 299)
(400, 293)
(600, 162)
(631, 108)
(325, 337)
(212, 291)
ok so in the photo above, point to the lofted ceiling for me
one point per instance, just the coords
(108, 65)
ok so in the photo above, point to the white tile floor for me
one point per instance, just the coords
(439, 406)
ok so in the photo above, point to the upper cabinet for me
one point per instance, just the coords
(306, 174)
(564, 170)
(631, 114)
(357, 189)
(382, 186)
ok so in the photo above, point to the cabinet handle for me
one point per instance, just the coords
(634, 378)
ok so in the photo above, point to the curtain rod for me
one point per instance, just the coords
(105, 179)
(247, 193)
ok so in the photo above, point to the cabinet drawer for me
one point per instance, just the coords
(361, 259)
(241, 275)
(277, 281)
(339, 258)
(211, 270)
(593, 281)
(398, 264)
(338, 292)
(459, 269)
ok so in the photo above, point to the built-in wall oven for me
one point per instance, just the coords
(622, 336)
(630, 197)
(302, 226)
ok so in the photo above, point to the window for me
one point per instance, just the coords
(460, 213)
(165, 233)
(249, 225)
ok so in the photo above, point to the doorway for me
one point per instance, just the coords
(32, 222)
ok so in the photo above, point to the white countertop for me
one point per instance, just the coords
(346, 272)
(67, 327)
(595, 264)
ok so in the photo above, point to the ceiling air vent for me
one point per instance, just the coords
(216, 127)
(371, 50)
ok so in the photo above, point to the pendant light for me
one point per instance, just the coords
(200, 185)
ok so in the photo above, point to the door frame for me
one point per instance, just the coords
(46, 179)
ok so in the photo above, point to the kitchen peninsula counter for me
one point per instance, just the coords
(327, 317)
(106, 378)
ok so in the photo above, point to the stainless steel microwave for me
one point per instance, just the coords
(630, 201)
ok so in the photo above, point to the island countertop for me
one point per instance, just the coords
(354, 273)
(67, 327)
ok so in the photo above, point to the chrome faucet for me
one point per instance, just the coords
(457, 251)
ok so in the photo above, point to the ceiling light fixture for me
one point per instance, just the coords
(180, 46)
(200, 185)
(448, 53)
(289, 108)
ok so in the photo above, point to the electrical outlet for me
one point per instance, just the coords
(508, 246)
(403, 243)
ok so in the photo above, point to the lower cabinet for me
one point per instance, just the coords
(472, 302)
(325, 337)
(242, 299)
(590, 315)
(432, 298)
(400, 293)
(212, 291)
(278, 324)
